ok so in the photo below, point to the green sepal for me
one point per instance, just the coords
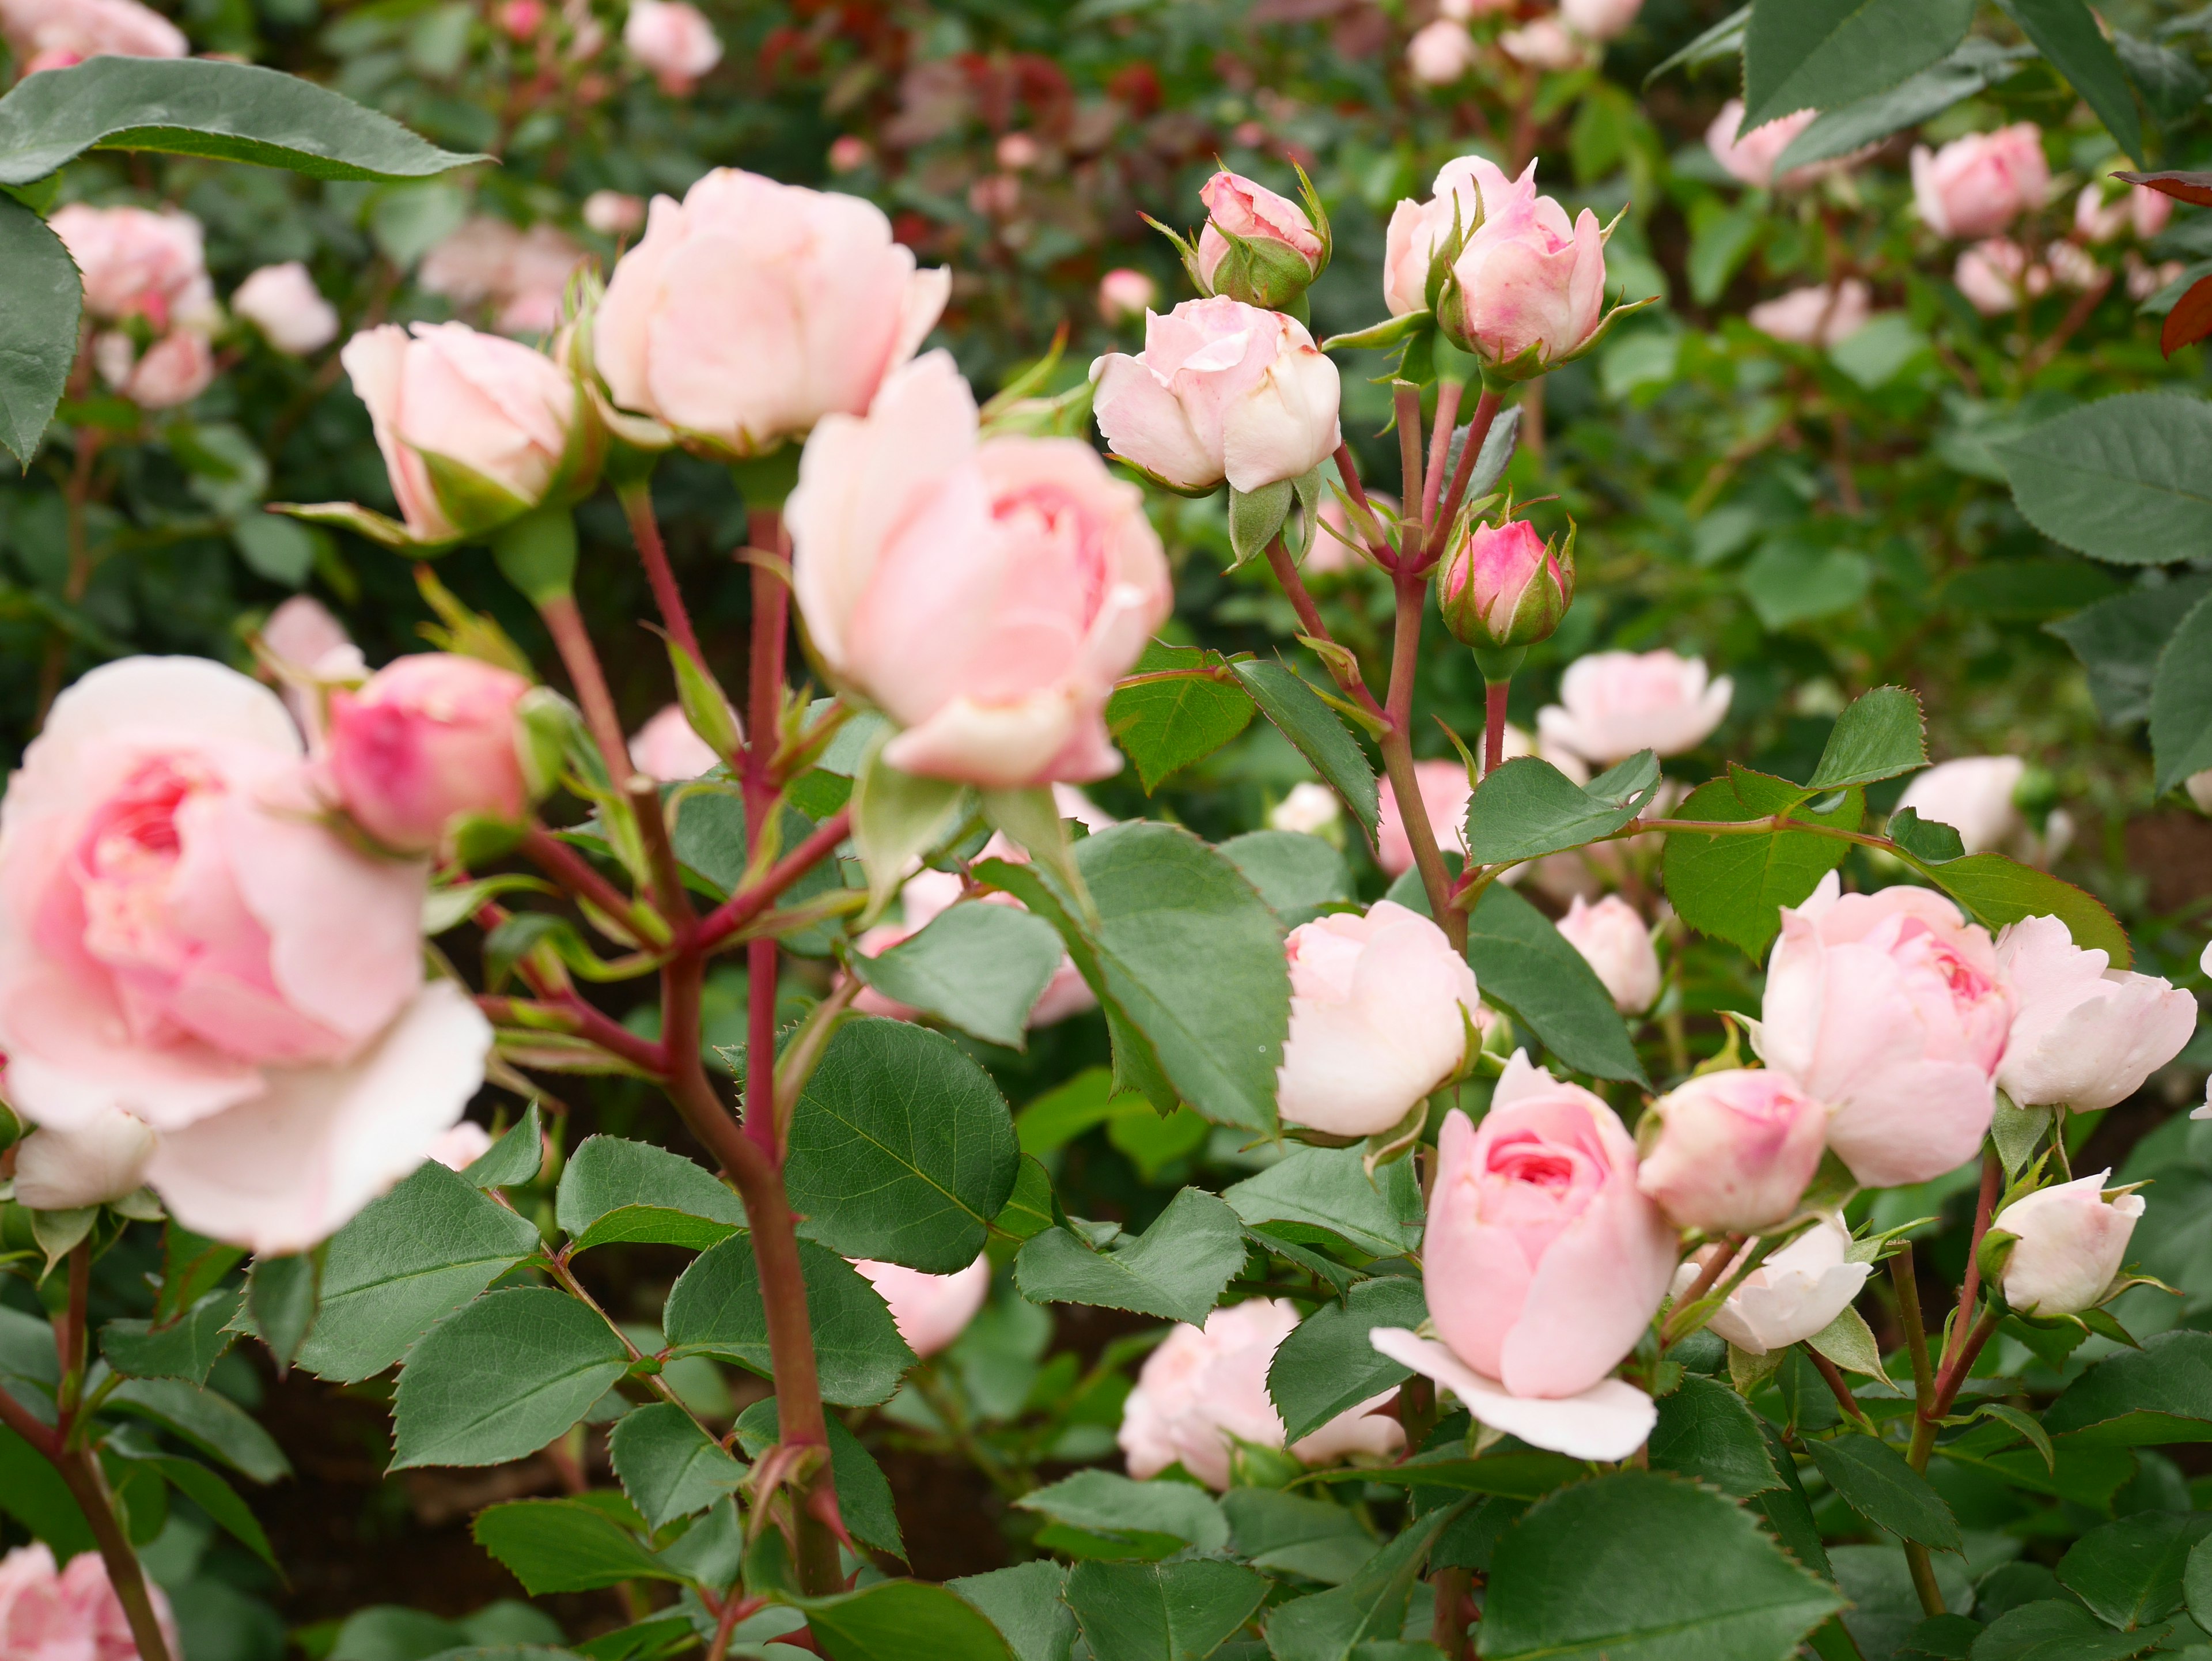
(705, 705)
(538, 554)
(767, 481)
(1376, 337)
(362, 522)
(1255, 518)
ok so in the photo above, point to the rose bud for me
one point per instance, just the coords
(1440, 53)
(1599, 19)
(1204, 1389)
(1889, 1009)
(1125, 296)
(1545, 43)
(72, 1614)
(1976, 186)
(1502, 586)
(1543, 1263)
(1793, 1295)
(1735, 1150)
(666, 748)
(751, 309)
(2083, 1037)
(930, 1311)
(1381, 1007)
(1222, 390)
(284, 304)
(674, 41)
(1615, 943)
(1444, 790)
(2069, 1241)
(101, 1159)
(1750, 156)
(1309, 808)
(1814, 317)
(426, 738)
(1612, 705)
(1257, 246)
(174, 370)
(136, 263)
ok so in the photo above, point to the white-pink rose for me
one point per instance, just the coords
(1528, 287)
(1976, 186)
(612, 213)
(1615, 943)
(1995, 277)
(284, 304)
(2072, 1242)
(674, 41)
(1750, 156)
(461, 1147)
(2083, 1036)
(930, 1311)
(1599, 19)
(984, 593)
(429, 738)
(1222, 390)
(1794, 1294)
(666, 748)
(56, 33)
(54, 1614)
(138, 263)
(1735, 1150)
(1440, 53)
(101, 1160)
(1888, 1009)
(1978, 796)
(1612, 705)
(751, 309)
(182, 939)
(1814, 317)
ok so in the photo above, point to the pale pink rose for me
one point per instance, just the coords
(1281, 254)
(2072, 1242)
(1310, 809)
(174, 370)
(1976, 186)
(610, 213)
(1440, 53)
(674, 41)
(461, 1147)
(1995, 277)
(1543, 1262)
(1751, 157)
(2145, 279)
(1505, 585)
(1795, 1294)
(2144, 210)
(1735, 1150)
(307, 647)
(183, 939)
(1204, 1386)
(102, 1159)
(1018, 152)
(426, 738)
(849, 153)
(1543, 43)
(2073, 266)
(1525, 280)
(930, 1311)
(1382, 1010)
(1444, 791)
(137, 263)
(1615, 943)
(473, 263)
(536, 280)
(1888, 1009)
(1814, 317)
(495, 407)
(69, 1614)
(751, 309)
(284, 304)
(984, 593)
(1222, 390)
(55, 34)
(1599, 19)
(1125, 294)
(1612, 705)
(1978, 797)
(666, 748)
(2083, 1037)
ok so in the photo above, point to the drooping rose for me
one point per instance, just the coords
(2083, 1036)
(674, 41)
(1735, 1150)
(1125, 294)
(1814, 317)
(1440, 53)
(612, 213)
(1504, 586)
(666, 748)
(1612, 705)
(1599, 19)
(1222, 390)
(56, 33)
(1206, 1388)
(1257, 246)
(1978, 796)
(750, 310)
(1444, 791)
(184, 940)
(1976, 185)
(1615, 943)
(429, 738)
(138, 263)
(1888, 1009)
(2072, 1241)
(1381, 1011)
(1750, 156)
(284, 304)
(54, 1614)
(984, 593)
(930, 1311)
(102, 1159)
(1794, 1294)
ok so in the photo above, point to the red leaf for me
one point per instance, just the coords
(2184, 186)
(2191, 319)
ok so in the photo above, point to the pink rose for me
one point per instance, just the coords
(139, 263)
(610, 213)
(1543, 43)
(1381, 1009)
(174, 370)
(666, 748)
(930, 1311)
(1750, 156)
(1444, 791)
(461, 1147)
(1504, 586)
(1995, 277)
(1794, 1294)
(473, 263)
(1814, 317)
(55, 34)
(674, 41)
(101, 1160)
(1125, 296)
(48, 1613)
(1205, 1385)
(1612, 705)
(2072, 1241)
(284, 304)
(1888, 1009)
(1736, 1151)
(752, 309)
(508, 415)
(1978, 184)
(1543, 1260)
(1599, 19)
(1222, 390)
(429, 738)
(2083, 1037)
(534, 281)
(2138, 208)
(1439, 53)
(849, 153)
(182, 939)
(1276, 252)
(984, 593)
(1978, 796)
(1615, 943)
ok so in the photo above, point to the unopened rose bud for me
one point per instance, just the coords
(1791, 1296)
(102, 1159)
(1440, 53)
(1257, 246)
(1526, 286)
(2069, 1242)
(426, 738)
(1599, 19)
(930, 1311)
(284, 304)
(1503, 585)
(674, 41)
(1309, 808)
(1736, 1151)
(1125, 296)
(1614, 942)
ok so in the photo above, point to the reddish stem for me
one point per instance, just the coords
(566, 624)
(1408, 404)
(1448, 396)
(1969, 1288)
(1347, 469)
(1294, 586)
(1493, 724)
(645, 528)
(572, 871)
(571, 1014)
(749, 902)
(1478, 432)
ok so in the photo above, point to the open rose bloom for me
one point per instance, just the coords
(1612, 705)
(50, 1612)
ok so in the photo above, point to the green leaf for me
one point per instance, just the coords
(1849, 1341)
(903, 1621)
(716, 1308)
(979, 968)
(901, 1148)
(2181, 699)
(1886, 1610)
(2141, 1397)
(218, 1499)
(667, 1465)
(283, 1294)
(390, 1632)
(1874, 1480)
(863, 1495)
(516, 1157)
(1176, 1269)
(2085, 1472)
(1519, 1474)
(1327, 1366)
(1290, 1534)
(1929, 841)
(1528, 808)
(1105, 1502)
(1789, 1513)
(1881, 735)
(1521, 961)
(2055, 1630)
(187, 1348)
(1996, 890)
(1733, 886)
(1790, 581)
(2129, 1572)
(2196, 1582)
(1029, 1208)
(2066, 33)
(1162, 1611)
(2118, 641)
(417, 1253)
(564, 1545)
(617, 1189)
(1824, 54)
(1023, 1603)
(200, 107)
(214, 1423)
(500, 1377)
(1296, 874)
(897, 818)
(1638, 1566)
(1975, 66)
(1330, 1188)
(39, 306)
(1706, 1431)
(2118, 479)
(32, 1493)
(1165, 725)
(1314, 730)
(1371, 1606)
(2028, 1426)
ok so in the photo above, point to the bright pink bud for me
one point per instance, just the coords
(520, 20)
(1735, 1150)
(430, 736)
(1503, 585)
(1257, 246)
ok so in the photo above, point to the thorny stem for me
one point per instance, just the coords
(1397, 761)
(1915, 1334)
(1294, 586)
(1347, 469)
(572, 871)
(1448, 396)
(565, 1012)
(1408, 402)
(1970, 1287)
(1838, 1386)
(1448, 1630)
(637, 507)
